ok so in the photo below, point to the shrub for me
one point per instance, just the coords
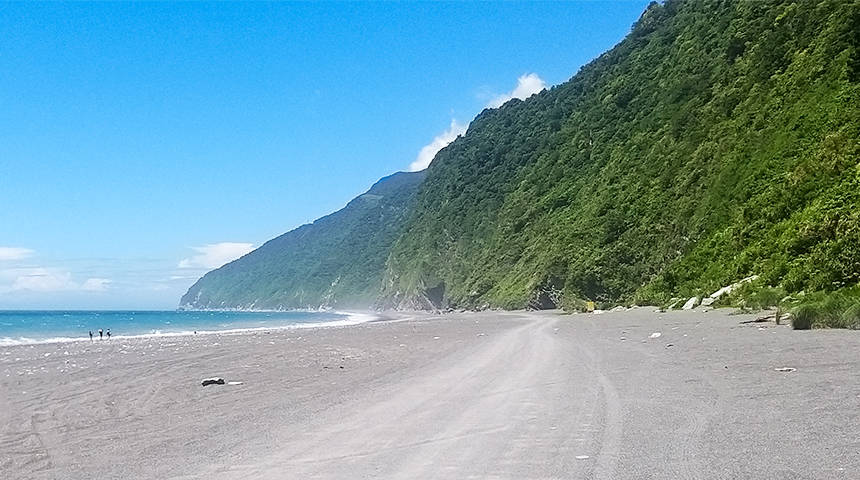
(768, 297)
(851, 316)
(572, 303)
(804, 317)
(753, 296)
(839, 309)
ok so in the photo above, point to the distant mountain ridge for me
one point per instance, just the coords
(337, 261)
(719, 140)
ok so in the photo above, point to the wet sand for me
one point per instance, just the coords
(487, 395)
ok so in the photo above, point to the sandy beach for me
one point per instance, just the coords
(466, 395)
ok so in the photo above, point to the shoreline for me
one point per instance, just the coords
(352, 318)
(356, 317)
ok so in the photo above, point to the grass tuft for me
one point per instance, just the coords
(851, 316)
(840, 309)
(804, 317)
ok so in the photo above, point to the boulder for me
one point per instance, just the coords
(213, 381)
(691, 303)
(728, 289)
(708, 301)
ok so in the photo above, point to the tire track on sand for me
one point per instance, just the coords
(472, 414)
(606, 461)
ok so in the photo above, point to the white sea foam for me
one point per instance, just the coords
(9, 342)
(354, 318)
(351, 318)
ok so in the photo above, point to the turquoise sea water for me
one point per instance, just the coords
(28, 327)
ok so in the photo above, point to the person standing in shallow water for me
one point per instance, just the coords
(101, 333)
(108, 333)
(91, 335)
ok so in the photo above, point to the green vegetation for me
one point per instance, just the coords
(821, 309)
(755, 296)
(338, 261)
(840, 309)
(717, 141)
(804, 317)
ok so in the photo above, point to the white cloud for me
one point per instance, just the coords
(527, 85)
(441, 141)
(216, 255)
(50, 280)
(43, 280)
(95, 285)
(184, 277)
(14, 253)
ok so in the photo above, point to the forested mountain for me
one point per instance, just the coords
(719, 140)
(337, 261)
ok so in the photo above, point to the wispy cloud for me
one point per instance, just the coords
(46, 280)
(43, 280)
(96, 285)
(527, 85)
(14, 253)
(441, 141)
(216, 255)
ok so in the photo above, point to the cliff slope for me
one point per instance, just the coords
(717, 141)
(337, 261)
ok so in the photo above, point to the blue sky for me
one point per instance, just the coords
(143, 144)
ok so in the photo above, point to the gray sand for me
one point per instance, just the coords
(490, 395)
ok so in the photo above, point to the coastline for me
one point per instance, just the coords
(420, 395)
(350, 318)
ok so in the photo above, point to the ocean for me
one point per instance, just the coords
(31, 327)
